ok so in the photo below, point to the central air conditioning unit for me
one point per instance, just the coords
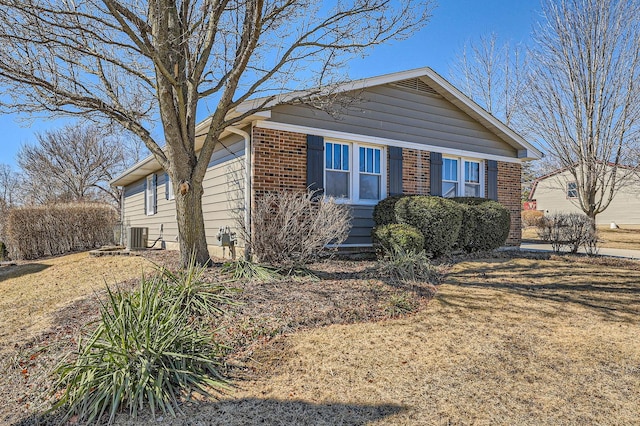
(137, 238)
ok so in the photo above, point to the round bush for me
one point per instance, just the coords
(468, 227)
(396, 237)
(439, 220)
(489, 227)
(384, 212)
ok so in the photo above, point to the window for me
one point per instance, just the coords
(337, 176)
(151, 195)
(169, 188)
(572, 190)
(449, 177)
(471, 179)
(354, 172)
(370, 173)
(462, 178)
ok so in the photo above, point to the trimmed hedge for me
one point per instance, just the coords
(384, 212)
(34, 232)
(396, 237)
(486, 224)
(439, 220)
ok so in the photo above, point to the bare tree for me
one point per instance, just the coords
(74, 163)
(493, 74)
(583, 97)
(9, 186)
(132, 61)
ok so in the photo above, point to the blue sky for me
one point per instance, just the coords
(453, 23)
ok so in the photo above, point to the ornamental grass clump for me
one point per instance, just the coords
(146, 352)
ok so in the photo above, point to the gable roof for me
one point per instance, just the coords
(524, 149)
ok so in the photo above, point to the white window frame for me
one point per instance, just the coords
(574, 190)
(354, 172)
(170, 194)
(151, 194)
(461, 174)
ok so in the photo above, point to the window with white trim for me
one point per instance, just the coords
(462, 177)
(169, 191)
(151, 195)
(572, 190)
(354, 173)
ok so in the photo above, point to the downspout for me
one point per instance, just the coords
(247, 188)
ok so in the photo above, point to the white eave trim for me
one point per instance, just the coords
(354, 137)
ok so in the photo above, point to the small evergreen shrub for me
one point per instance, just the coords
(384, 212)
(3, 251)
(398, 237)
(439, 220)
(485, 224)
(492, 226)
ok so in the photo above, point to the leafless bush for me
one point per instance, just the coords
(568, 230)
(291, 228)
(33, 232)
(531, 217)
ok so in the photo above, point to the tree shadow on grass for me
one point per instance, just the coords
(15, 271)
(250, 411)
(610, 291)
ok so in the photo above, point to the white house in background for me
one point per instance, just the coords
(557, 192)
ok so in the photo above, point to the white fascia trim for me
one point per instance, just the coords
(333, 134)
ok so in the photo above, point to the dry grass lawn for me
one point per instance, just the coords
(521, 341)
(31, 292)
(626, 237)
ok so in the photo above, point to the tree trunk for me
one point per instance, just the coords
(192, 237)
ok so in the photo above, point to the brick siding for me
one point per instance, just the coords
(415, 171)
(279, 160)
(509, 195)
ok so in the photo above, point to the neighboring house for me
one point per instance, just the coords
(407, 132)
(557, 192)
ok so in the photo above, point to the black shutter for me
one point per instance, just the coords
(492, 179)
(395, 170)
(155, 193)
(435, 174)
(315, 163)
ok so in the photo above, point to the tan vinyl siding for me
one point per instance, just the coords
(551, 196)
(223, 193)
(405, 115)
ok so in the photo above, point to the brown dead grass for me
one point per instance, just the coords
(505, 341)
(626, 237)
(33, 291)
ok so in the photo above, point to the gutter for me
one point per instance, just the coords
(247, 188)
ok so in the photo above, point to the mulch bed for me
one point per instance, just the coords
(342, 292)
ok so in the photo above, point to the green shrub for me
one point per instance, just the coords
(146, 350)
(398, 237)
(384, 212)
(485, 226)
(438, 219)
(408, 267)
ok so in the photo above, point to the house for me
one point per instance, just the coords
(557, 193)
(406, 132)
